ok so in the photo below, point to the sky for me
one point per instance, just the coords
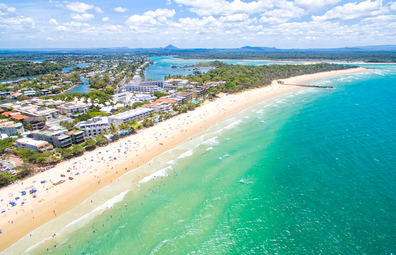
(196, 23)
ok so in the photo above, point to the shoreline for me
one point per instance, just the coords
(143, 147)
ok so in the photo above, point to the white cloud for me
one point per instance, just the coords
(355, 10)
(287, 12)
(223, 7)
(392, 6)
(10, 19)
(82, 7)
(62, 28)
(98, 10)
(161, 13)
(235, 18)
(53, 22)
(5, 10)
(79, 7)
(106, 19)
(50, 39)
(120, 9)
(315, 5)
(140, 20)
(168, 2)
(82, 17)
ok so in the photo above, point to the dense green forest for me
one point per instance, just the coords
(368, 57)
(16, 69)
(241, 77)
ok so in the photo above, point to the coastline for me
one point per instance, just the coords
(73, 193)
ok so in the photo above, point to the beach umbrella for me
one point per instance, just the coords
(23, 193)
(17, 198)
(43, 181)
(9, 194)
(13, 204)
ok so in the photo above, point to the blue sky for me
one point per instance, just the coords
(196, 23)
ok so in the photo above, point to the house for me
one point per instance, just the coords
(11, 129)
(29, 93)
(28, 143)
(57, 121)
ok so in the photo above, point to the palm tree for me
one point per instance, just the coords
(106, 132)
(123, 126)
(113, 129)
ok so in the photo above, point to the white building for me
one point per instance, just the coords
(94, 126)
(158, 106)
(11, 129)
(123, 97)
(28, 143)
(141, 88)
(124, 117)
(73, 107)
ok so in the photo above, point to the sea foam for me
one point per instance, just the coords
(186, 154)
(161, 172)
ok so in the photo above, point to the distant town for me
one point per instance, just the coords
(40, 115)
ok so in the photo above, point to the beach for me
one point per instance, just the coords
(99, 168)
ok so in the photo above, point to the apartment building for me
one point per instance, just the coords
(141, 88)
(29, 143)
(94, 126)
(57, 136)
(124, 117)
(34, 123)
(73, 107)
(11, 129)
(159, 106)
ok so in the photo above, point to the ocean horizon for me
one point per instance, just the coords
(311, 171)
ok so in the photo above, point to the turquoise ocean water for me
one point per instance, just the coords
(309, 172)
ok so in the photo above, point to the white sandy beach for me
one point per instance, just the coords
(98, 168)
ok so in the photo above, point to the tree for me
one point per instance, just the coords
(137, 105)
(147, 123)
(191, 106)
(113, 129)
(90, 143)
(100, 140)
(67, 153)
(123, 126)
(77, 149)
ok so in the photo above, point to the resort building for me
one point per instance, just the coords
(167, 100)
(57, 136)
(124, 117)
(28, 143)
(34, 123)
(141, 88)
(11, 129)
(57, 121)
(77, 136)
(159, 106)
(94, 126)
(73, 107)
(123, 96)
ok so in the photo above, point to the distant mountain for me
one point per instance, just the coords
(171, 47)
